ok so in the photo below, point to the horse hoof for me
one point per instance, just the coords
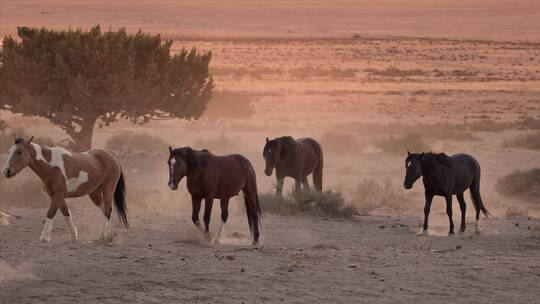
(451, 233)
(44, 240)
(422, 233)
(255, 243)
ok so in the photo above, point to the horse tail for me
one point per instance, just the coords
(252, 202)
(318, 172)
(120, 200)
(475, 192)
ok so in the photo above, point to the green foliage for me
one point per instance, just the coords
(74, 77)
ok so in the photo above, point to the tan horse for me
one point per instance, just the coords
(96, 173)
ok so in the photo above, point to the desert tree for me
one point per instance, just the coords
(77, 78)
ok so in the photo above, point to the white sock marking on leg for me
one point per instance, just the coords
(217, 238)
(46, 233)
(105, 228)
(72, 228)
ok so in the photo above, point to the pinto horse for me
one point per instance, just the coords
(296, 159)
(445, 176)
(96, 173)
(212, 177)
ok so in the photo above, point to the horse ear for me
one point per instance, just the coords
(31, 138)
(170, 150)
(190, 159)
(408, 153)
(267, 140)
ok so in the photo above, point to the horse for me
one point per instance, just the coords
(445, 176)
(296, 159)
(95, 173)
(212, 177)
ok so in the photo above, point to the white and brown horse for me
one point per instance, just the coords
(96, 173)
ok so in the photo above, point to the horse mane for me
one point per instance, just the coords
(442, 159)
(288, 145)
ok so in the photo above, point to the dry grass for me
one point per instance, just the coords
(531, 142)
(521, 184)
(395, 72)
(515, 212)
(129, 142)
(370, 194)
(221, 144)
(413, 142)
(22, 192)
(7, 139)
(324, 204)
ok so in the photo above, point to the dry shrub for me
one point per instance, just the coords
(521, 184)
(126, 142)
(221, 144)
(7, 140)
(487, 125)
(395, 72)
(23, 191)
(371, 194)
(514, 212)
(531, 142)
(325, 204)
(529, 123)
(228, 104)
(400, 144)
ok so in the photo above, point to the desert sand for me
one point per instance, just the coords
(364, 78)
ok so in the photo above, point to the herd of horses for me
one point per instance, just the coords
(98, 174)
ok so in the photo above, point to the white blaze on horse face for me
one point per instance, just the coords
(173, 161)
(8, 160)
(46, 233)
(408, 164)
(74, 183)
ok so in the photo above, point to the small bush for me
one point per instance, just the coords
(395, 72)
(531, 142)
(514, 212)
(325, 204)
(129, 142)
(371, 194)
(221, 144)
(413, 142)
(521, 184)
(7, 139)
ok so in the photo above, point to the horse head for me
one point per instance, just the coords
(180, 162)
(276, 150)
(19, 157)
(413, 167)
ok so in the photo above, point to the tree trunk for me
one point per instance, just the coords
(82, 140)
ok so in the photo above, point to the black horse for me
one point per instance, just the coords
(446, 176)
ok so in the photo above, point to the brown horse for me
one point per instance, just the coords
(212, 177)
(296, 159)
(96, 173)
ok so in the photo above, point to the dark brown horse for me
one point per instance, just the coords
(296, 159)
(212, 177)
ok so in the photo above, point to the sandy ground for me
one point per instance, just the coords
(304, 68)
(161, 259)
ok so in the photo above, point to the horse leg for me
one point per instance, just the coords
(224, 216)
(57, 200)
(449, 212)
(427, 208)
(98, 197)
(208, 202)
(279, 184)
(305, 183)
(67, 215)
(196, 208)
(297, 183)
(463, 208)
